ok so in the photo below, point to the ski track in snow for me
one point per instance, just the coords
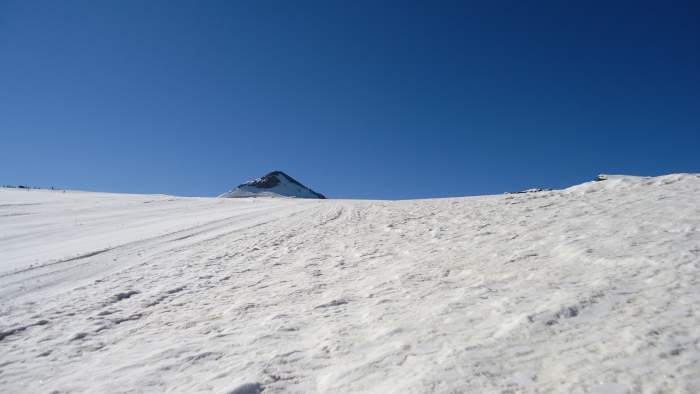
(588, 289)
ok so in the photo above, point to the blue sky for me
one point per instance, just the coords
(361, 99)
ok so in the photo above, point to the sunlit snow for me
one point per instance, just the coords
(594, 288)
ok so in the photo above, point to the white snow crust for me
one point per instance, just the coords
(591, 289)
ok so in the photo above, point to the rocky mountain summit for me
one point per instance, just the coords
(274, 184)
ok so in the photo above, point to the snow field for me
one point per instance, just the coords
(594, 289)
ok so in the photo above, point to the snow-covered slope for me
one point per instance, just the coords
(594, 288)
(274, 184)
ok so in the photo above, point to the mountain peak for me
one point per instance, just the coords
(273, 184)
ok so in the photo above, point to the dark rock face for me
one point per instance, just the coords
(266, 182)
(272, 179)
(534, 190)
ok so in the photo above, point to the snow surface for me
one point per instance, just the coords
(594, 289)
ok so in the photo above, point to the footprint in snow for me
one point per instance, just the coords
(247, 388)
(122, 296)
(337, 302)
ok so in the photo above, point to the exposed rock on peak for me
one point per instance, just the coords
(274, 184)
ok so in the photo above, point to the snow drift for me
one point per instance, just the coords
(588, 289)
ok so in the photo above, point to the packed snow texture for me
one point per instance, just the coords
(274, 184)
(594, 289)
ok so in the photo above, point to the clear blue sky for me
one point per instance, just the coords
(356, 99)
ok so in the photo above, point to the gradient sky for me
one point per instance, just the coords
(356, 99)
